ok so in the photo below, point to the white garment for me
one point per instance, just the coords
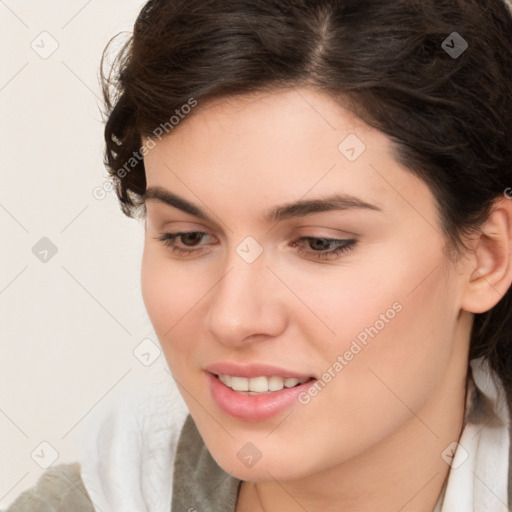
(480, 483)
(128, 459)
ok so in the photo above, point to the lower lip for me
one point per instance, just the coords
(254, 407)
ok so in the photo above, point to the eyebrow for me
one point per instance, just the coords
(282, 212)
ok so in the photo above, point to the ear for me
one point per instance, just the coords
(490, 275)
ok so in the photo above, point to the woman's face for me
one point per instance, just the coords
(376, 326)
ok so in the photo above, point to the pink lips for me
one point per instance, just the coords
(253, 407)
(253, 370)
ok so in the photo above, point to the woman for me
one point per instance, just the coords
(325, 187)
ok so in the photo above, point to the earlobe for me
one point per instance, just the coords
(491, 275)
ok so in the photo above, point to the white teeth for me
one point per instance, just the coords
(289, 383)
(225, 379)
(239, 384)
(257, 385)
(275, 384)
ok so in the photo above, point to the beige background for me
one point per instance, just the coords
(68, 325)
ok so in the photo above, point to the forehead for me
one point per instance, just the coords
(264, 149)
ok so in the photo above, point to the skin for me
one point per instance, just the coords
(372, 438)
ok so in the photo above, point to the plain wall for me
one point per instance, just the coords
(68, 325)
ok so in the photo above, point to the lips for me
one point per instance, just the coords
(259, 405)
(254, 370)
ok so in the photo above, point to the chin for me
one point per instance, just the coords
(260, 463)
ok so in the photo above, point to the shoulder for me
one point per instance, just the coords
(126, 457)
(59, 489)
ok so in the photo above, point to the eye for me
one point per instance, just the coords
(187, 238)
(321, 246)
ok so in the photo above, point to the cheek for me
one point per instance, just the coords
(169, 297)
(396, 340)
(394, 316)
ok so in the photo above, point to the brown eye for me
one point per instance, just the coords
(319, 247)
(189, 239)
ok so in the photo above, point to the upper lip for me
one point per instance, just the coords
(253, 370)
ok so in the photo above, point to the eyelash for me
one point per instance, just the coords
(168, 239)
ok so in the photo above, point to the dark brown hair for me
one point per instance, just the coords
(449, 115)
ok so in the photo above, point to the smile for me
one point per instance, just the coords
(256, 398)
(260, 385)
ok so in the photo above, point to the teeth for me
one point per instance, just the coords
(225, 379)
(275, 383)
(258, 385)
(239, 384)
(289, 383)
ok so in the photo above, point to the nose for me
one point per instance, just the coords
(246, 305)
